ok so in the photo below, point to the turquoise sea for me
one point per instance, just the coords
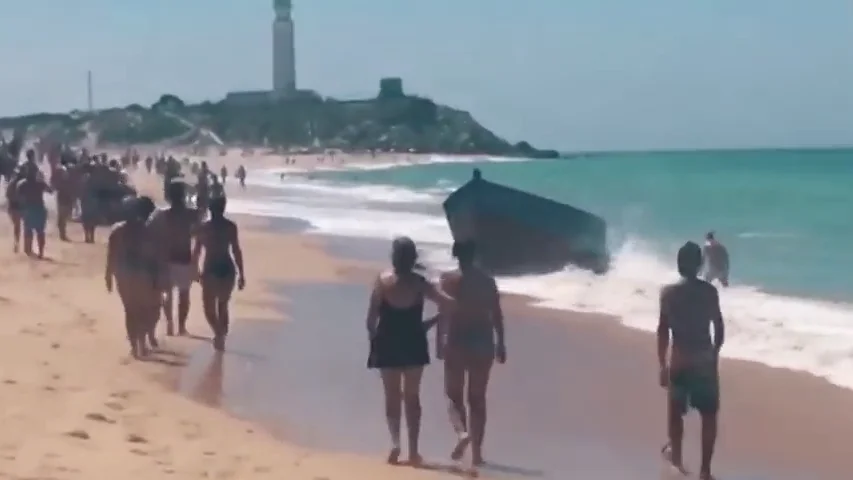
(785, 216)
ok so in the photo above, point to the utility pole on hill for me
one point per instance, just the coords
(89, 90)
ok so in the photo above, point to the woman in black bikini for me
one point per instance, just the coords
(398, 340)
(218, 238)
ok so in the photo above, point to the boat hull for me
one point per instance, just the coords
(520, 233)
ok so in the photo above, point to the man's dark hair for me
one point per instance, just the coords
(144, 207)
(689, 260)
(464, 251)
(217, 205)
(176, 192)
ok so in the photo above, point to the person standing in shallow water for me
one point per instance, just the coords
(716, 260)
(398, 341)
(688, 308)
(469, 340)
(218, 238)
(132, 263)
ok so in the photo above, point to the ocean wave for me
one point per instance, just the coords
(766, 235)
(777, 330)
(431, 159)
(349, 192)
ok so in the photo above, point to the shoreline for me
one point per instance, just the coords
(764, 332)
(113, 417)
(755, 396)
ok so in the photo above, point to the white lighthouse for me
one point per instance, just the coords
(283, 51)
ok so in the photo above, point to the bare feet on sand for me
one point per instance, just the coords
(462, 444)
(676, 466)
(394, 456)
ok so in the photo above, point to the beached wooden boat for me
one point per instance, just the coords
(518, 232)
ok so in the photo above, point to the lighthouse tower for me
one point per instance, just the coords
(283, 51)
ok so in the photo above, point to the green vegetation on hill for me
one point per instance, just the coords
(392, 121)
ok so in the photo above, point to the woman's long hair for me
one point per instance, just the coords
(404, 255)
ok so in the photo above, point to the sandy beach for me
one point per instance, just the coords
(579, 395)
(76, 407)
(577, 399)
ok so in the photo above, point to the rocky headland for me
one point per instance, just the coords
(392, 121)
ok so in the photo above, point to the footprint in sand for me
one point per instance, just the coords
(134, 438)
(81, 434)
(31, 331)
(116, 406)
(124, 394)
(99, 417)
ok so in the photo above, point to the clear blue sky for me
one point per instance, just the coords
(572, 74)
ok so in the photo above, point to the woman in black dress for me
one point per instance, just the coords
(398, 340)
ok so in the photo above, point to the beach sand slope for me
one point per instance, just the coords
(74, 406)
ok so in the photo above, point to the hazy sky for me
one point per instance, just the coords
(572, 74)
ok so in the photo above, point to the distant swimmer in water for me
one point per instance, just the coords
(398, 341)
(716, 260)
(469, 339)
(132, 263)
(218, 238)
(688, 309)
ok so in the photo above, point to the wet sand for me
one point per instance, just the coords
(310, 384)
(593, 410)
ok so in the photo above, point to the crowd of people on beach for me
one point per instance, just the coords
(155, 255)
(151, 257)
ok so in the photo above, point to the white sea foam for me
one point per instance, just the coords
(781, 331)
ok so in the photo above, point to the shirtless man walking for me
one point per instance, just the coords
(14, 207)
(716, 260)
(62, 182)
(30, 191)
(173, 229)
(688, 308)
(218, 239)
(241, 176)
(202, 189)
(469, 339)
(132, 262)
